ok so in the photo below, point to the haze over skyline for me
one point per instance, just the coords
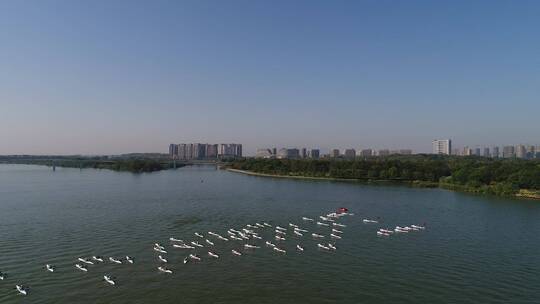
(103, 77)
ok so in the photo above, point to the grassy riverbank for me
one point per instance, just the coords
(519, 178)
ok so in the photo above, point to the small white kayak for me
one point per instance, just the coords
(236, 238)
(97, 258)
(300, 230)
(335, 236)
(297, 233)
(322, 224)
(293, 225)
(256, 237)
(235, 252)
(336, 231)
(196, 244)
(368, 221)
(315, 235)
(268, 243)
(307, 219)
(382, 233)
(339, 225)
(199, 235)
(281, 228)
(130, 259)
(281, 232)
(210, 253)
(386, 231)
(81, 267)
(159, 250)
(323, 247)
(185, 260)
(300, 248)
(164, 260)
(175, 240)
(259, 225)
(418, 227)
(86, 261)
(157, 245)
(213, 233)
(222, 238)
(279, 250)
(279, 238)
(49, 268)
(109, 280)
(194, 257)
(209, 242)
(248, 246)
(163, 269)
(22, 290)
(331, 246)
(267, 225)
(183, 246)
(115, 260)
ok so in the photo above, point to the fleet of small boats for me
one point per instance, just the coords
(251, 232)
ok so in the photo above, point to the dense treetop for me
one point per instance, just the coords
(479, 174)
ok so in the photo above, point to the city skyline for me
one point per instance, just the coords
(371, 73)
(439, 146)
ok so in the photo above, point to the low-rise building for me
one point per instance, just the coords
(384, 152)
(521, 151)
(350, 153)
(264, 153)
(495, 152)
(366, 153)
(508, 152)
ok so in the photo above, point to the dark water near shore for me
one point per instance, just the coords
(475, 249)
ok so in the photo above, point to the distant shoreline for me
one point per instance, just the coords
(523, 194)
(374, 181)
(119, 165)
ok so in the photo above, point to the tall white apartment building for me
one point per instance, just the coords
(442, 146)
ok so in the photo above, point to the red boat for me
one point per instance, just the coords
(343, 210)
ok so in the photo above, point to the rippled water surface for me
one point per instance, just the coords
(475, 249)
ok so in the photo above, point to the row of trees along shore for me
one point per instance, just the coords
(473, 174)
(129, 165)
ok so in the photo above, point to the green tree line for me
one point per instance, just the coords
(130, 165)
(477, 174)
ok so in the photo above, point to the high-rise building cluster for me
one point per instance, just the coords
(444, 146)
(295, 153)
(518, 151)
(287, 153)
(198, 151)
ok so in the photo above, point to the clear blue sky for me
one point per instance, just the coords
(109, 77)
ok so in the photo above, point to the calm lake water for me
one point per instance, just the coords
(475, 249)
